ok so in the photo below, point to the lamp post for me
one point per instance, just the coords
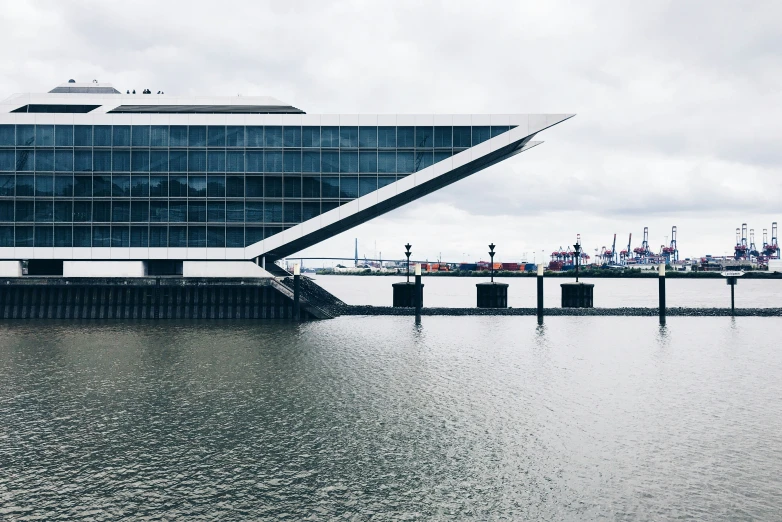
(491, 255)
(407, 247)
(577, 248)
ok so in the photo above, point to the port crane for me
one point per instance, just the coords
(624, 255)
(642, 252)
(608, 255)
(771, 249)
(753, 251)
(671, 252)
(742, 248)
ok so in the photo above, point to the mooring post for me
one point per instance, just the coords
(418, 292)
(540, 293)
(732, 282)
(661, 279)
(296, 292)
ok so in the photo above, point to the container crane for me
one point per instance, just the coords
(624, 255)
(753, 251)
(671, 252)
(741, 249)
(642, 252)
(772, 249)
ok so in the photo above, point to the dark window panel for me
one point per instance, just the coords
(82, 237)
(7, 135)
(292, 212)
(25, 160)
(25, 135)
(158, 237)
(254, 137)
(424, 137)
(366, 185)
(120, 161)
(139, 186)
(139, 161)
(367, 137)
(443, 137)
(63, 236)
(348, 161)
(268, 232)
(63, 186)
(196, 161)
(254, 160)
(309, 210)
(423, 159)
(310, 186)
(44, 135)
(291, 137)
(177, 136)
(196, 136)
(234, 237)
(329, 137)
(120, 186)
(367, 161)
(273, 136)
(196, 237)
(44, 184)
(292, 186)
(272, 161)
(101, 161)
(253, 211)
(253, 235)
(386, 162)
(82, 135)
(139, 211)
(44, 236)
(25, 185)
(329, 161)
(292, 161)
(63, 135)
(120, 211)
(480, 134)
(177, 211)
(462, 137)
(216, 161)
(82, 211)
(405, 137)
(440, 155)
(254, 186)
(496, 130)
(7, 160)
(310, 136)
(6, 211)
(405, 162)
(234, 211)
(101, 236)
(215, 186)
(7, 236)
(7, 185)
(120, 236)
(25, 211)
(177, 236)
(177, 161)
(215, 211)
(159, 136)
(348, 187)
(82, 160)
(273, 212)
(196, 186)
(23, 236)
(158, 186)
(158, 211)
(158, 161)
(121, 136)
(329, 186)
(44, 159)
(215, 136)
(273, 186)
(326, 206)
(234, 136)
(196, 211)
(310, 161)
(139, 135)
(234, 186)
(348, 137)
(215, 237)
(234, 161)
(139, 236)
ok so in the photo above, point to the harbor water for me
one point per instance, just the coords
(359, 418)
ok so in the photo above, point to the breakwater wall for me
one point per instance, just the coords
(643, 312)
(149, 298)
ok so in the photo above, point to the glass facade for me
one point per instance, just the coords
(198, 186)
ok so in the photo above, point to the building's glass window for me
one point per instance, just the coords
(215, 211)
(120, 186)
(348, 161)
(273, 187)
(367, 137)
(25, 135)
(44, 184)
(196, 161)
(139, 236)
(234, 237)
(196, 186)
(158, 161)
(216, 161)
(139, 186)
(253, 211)
(382, 181)
(177, 237)
(215, 136)
(44, 159)
(63, 135)
(348, 137)
(215, 186)
(25, 160)
(7, 185)
(158, 211)
(7, 236)
(140, 136)
(63, 236)
(405, 137)
(120, 236)
(423, 159)
(177, 186)
(44, 136)
(234, 136)
(310, 136)
(25, 185)
(196, 136)
(273, 137)
(291, 212)
(120, 211)
(367, 161)
(405, 162)
(82, 211)
(177, 211)
(101, 161)
(234, 211)
(177, 161)
(82, 160)
(366, 185)
(348, 187)
(159, 136)
(177, 136)
(120, 161)
(462, 137)
(329, 186)
(101, 136)
(310, 186)
(63, 186)
(292, 186)
(329, 137)
(234, 186)
(139, 161)
(215, 237)
(196, 237)
(329, 161)
(292, 161)
(309, 210)
(158, 186)
(254, 137)
(196, 211)
(310, 161)
(424, 137)
(254, 161)
(25, 211)
(101, 236)
(121, 136)
(273, 161)
(234, 161)
(44, 211)
(6, 210)
(82, 236)
(291, 137)
(7, 136)
(23, 236)
(273, 212)
(44, 236)
(7, 160)
(82, 135)
(158, 237)
(139, 211)
(497, 130)
(253, 186)
(480, 134)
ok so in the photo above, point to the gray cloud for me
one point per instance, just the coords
(678, 103)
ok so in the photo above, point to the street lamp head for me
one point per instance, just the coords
(407, 247)
(491, 246)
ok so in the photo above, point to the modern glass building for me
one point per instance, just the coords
(89, 173)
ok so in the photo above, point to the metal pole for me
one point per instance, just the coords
(732, 302)
(418, 293)
(540, 293)
(662, 294)
(296, 292)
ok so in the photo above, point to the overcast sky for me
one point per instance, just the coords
(678, 104)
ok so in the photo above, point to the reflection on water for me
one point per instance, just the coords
(358, 418)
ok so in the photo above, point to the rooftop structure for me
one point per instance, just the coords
(89, 173)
